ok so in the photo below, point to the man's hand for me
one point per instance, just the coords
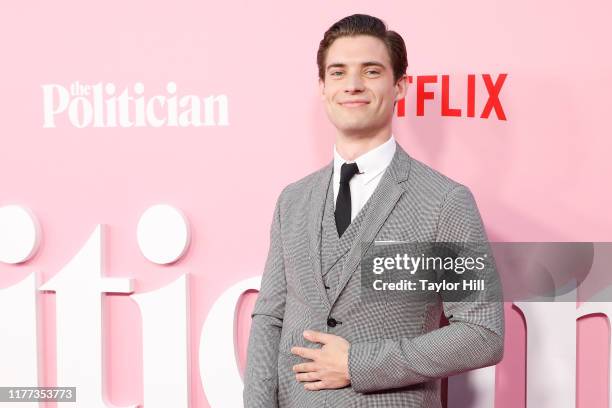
(329, 366)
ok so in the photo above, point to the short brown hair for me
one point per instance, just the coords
(363, 24)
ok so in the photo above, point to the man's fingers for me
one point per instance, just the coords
(311, 376)
(306, 352)
(315, 385)
(304, 367)
(318, 337)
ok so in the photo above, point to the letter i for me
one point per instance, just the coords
(471, 95)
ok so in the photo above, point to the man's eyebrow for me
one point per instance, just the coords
(363, 64)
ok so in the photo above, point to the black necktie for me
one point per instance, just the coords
(343, 202)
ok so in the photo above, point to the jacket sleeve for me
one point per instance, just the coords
(474, 337)
(261, 375)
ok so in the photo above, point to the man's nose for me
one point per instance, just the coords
(354, 83)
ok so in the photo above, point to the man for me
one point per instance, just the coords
(314, 341)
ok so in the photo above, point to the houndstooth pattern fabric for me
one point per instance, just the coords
(333, 248)
(398, 352)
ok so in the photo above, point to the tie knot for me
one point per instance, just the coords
(347, 171)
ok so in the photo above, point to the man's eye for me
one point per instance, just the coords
(372, 72)
(335, 72)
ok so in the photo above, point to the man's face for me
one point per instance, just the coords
(359, 90)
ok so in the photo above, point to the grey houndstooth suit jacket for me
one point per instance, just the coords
(398, 352)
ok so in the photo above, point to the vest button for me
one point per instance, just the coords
(331, 322)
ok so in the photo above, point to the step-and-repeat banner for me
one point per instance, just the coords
(143, 146)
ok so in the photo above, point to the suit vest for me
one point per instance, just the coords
(334, 250)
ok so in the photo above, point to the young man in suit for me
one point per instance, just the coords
(314, 341)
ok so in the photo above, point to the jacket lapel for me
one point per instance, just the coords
(315, 215)
(384, 199)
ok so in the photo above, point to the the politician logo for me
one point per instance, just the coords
(102, 105)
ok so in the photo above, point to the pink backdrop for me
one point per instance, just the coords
(541, 175)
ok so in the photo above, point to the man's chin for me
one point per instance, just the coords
(352, 126)
(356, 131)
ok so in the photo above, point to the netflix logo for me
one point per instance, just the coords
(433, 92)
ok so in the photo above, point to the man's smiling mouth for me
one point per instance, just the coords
(354, 104)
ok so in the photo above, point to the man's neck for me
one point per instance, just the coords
(352, 146)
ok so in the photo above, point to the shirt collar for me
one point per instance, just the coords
(371, 163)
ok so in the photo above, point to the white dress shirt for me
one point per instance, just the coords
(371, 166)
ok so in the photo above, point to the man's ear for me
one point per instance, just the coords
(322, 89)
(400, 88)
